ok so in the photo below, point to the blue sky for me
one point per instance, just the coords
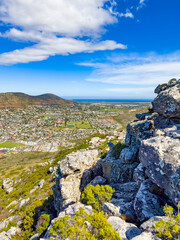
(89, 49)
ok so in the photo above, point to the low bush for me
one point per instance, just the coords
(84, 227)
(96, 196)
(170, 229)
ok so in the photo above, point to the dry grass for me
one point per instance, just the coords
(14, 165)
(129, 115)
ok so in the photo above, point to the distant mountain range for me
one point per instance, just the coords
(21, 100)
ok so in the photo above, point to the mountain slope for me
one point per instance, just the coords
(21, 100)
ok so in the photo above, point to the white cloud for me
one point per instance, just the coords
(135, 70)
(141, 4)
(65, 17)
(128, 14)
(53, 46)
(56, 26)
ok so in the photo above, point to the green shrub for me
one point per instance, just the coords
(44, 225)
(116, 150)
(169, 229)
(77, 227)
(97, 195)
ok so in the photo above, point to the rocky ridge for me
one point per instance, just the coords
(145, 176)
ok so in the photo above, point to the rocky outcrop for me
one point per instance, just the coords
(145, 176)
(161, 158)
(70, 174)
(121, 170)
(167, 103)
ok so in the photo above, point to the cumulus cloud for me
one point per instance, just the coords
(135, 70)
(56, 27)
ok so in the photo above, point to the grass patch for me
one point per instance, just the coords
(45, 116)
(10, 145)
(78, 125)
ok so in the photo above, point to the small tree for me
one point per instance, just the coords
(96, 196)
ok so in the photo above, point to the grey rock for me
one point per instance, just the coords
(147, 204)
(8, 235)
(7, 185)
(146, 236)
(117, 172)
(111, 210)
(97, 180)
(138, 131)
(126, 191)
(5, 222)
(126, 209)
(160, 87)
(41, 183)
(163, 122)
(146, 116)
(125, 230)
(129, 155)
(161, 157)
(67, 189)
(24, 201)
(34, 189)
(132, 232)
(35, 237)
(167, 103)
(78, 162)
(149, 224)
(139, 174)
(4, 236)
(90, 174)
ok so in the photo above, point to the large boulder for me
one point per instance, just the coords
(161, 157)
(123, 198)
(117, 172)
(167, 103)
(146, 203)
(67, 189)
(125, 230)
(138, 131)
(78, 162)
(121, 170)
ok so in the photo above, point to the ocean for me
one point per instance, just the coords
(115, 100)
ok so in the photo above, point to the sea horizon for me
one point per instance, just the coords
(113, 100)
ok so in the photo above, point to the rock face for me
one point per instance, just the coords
(161, 158)
(167, 103)
(121, 170)
(147, 204)
(68, 183)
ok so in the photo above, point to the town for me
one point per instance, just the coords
(47, 128)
